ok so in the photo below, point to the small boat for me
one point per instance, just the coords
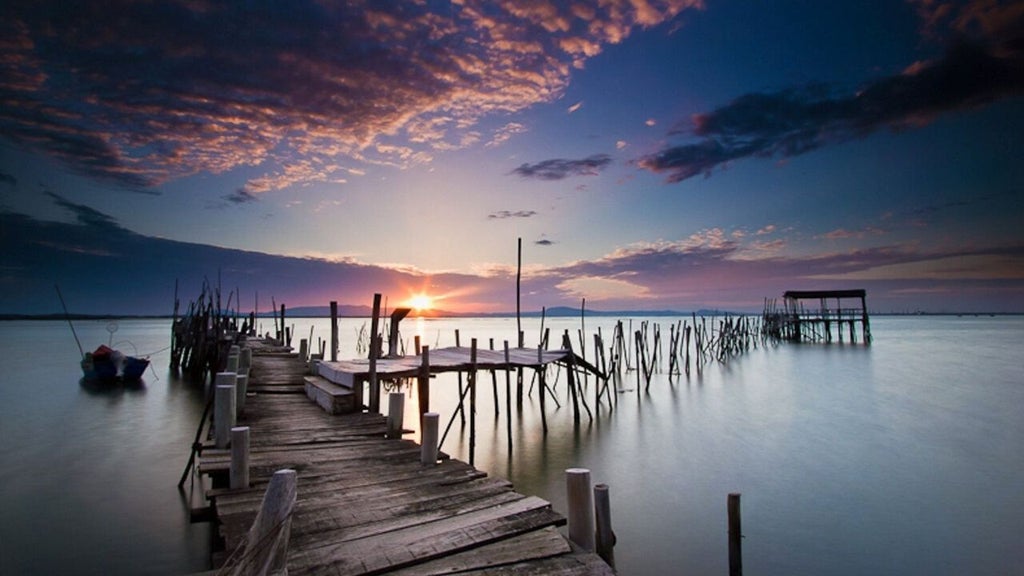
(108, 365)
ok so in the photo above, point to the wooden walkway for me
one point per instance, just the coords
(365, 503)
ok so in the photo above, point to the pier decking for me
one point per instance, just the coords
(366, 505)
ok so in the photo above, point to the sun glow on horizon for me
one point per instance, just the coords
(420, 302)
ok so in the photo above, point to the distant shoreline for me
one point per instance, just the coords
(588, 313)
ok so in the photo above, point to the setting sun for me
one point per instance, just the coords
(421, 302)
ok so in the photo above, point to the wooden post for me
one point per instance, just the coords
(245, 361)
(508, 400)
(374, 353)
(605, 537)
(472, 401)
(239, 457)
(735, 536)
(224, 408)
(581, 508)
(423, 381)
(241, 388)
(303, 350)
(494, 383)
(334, 331)
(396, 410)
(428, 438)
(266, 547)
(462, 394)
(232, 363)
(541, 385)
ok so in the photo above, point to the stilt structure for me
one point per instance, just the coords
(826, 322)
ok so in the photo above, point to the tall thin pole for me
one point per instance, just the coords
(519, 276)
(68, 316)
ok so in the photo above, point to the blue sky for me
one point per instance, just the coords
(652, 155)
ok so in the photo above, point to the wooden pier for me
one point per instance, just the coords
(799, 322)
(365, 503)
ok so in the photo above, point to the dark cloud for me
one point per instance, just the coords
(503, 214)
(559, 168)
(86, 215)
(139, 93)
(9, 179)
(240, 196)
(544, 242)
(972, 73)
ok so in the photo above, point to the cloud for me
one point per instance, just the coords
(134, 274)
(85, 215)
(575, 107)
(559, 168)
(505, 133)
(544, 242)
(171, 89)
(9, 179)
(240, 196)
(972, 73)
(503, 214)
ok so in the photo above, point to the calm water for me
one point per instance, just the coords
(906, 457)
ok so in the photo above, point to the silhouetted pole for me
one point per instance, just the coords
(735, 536)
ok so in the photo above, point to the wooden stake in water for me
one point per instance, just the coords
(735, 536)
(581, 508)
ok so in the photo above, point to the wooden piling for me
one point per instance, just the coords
(266, 547)
(334, 331)
(735, 536)
(604, 536)
(472, 401)
(423, 381)
(239, 471)
(428, 438)
(581, 508)
(374, 354)
(224, 408)
(396, 414)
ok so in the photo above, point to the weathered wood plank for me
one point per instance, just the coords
(366, 505)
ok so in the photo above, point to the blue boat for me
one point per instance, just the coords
(108, 365)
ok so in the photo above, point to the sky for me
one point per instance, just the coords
(647, 154)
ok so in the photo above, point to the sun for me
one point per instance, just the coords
(420, 302)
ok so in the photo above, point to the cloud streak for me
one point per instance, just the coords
(973, 72)
(560, 168)
(171, 89)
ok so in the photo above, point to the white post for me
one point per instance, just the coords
(581, 508)
(241, 387)
(239, 457)
(245, 360)
(428, 438)
(396, 410)
(267, 543)
(224, 408)
(232, 364)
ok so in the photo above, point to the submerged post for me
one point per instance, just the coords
(374, 353)
(334, 331)
(428, 438)
(735, 537)
(239, 473)
(605, 537)
(423, 381)
(581, 508)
